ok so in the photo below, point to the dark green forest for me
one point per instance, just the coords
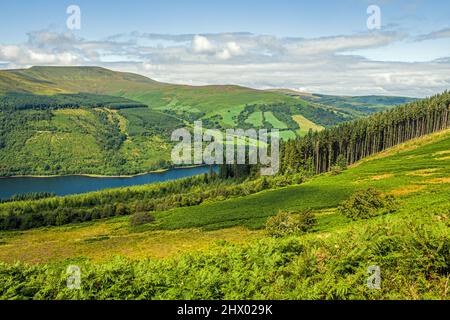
(29, 101)
(360, 138)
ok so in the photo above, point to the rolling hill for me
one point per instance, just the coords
(357, 106)
(215, 103)
(91, 120)
(199, 237)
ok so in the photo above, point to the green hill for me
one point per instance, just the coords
(46, 112)
(199, 101)
(411, 245)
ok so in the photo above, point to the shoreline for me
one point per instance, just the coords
(99, 176)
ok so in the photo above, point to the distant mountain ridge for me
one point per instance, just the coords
(356, 105)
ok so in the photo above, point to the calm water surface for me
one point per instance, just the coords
(67, 185)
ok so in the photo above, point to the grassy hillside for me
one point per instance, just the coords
(206, 101)
(415, 172)
(69, 141)
(404, 173)
(411, 246)
(107, 111)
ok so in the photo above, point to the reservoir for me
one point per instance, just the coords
(67, 185)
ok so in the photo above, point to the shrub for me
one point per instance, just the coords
(280, 181)
(121, 210)
(298, 178)
(140, 218)
(306, 220)
(365, 204)
(289, 223)
(339, 166)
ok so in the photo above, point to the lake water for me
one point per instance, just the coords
(66, 185)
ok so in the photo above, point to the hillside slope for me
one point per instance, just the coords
(416, 172)
(410, 246)
(421, 165)
(90, 120)
(206, 101)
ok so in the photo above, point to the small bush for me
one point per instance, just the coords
(306, 220)
(289, 223)
(365, 204)
(140, 218)
(298, 178)
(339, 166)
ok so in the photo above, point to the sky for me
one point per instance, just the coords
(320, 46)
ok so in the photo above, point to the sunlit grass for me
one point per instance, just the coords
(413, 172)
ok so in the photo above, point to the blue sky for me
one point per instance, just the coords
(282, 18)
(295, 44)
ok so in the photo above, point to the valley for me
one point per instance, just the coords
(224, 159)
(90, 120)
(356, 188)
(224, 242)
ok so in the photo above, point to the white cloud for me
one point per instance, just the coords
(324, 65)
(331, 76)
(234, 48)
(27, 56)
(224, 54)
(9, 52)
(201, 44)
(231, 49)
(343, 43)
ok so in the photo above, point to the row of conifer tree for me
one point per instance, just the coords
(358, 139)
(347, 143)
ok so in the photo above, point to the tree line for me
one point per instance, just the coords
(320, 151)
(29, 101)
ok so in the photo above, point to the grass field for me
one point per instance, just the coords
(411, 248)
(102, 240)
(305, 125)
(255, 119)
(229, 116)
(276, 123)
(287, 135)
(416, 172)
